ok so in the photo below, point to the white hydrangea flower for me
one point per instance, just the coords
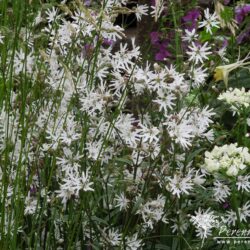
(236, 98)
(230, 159)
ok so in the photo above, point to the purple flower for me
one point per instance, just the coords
(107, 42)
(87, 2)
(152, 2)
(226, 205)
(243, 36)
(190, 19)
(88, 50)
(162, 53)
(33, 190)
(225, 43)
(241, 12)
(154, 37)
(226, 2)
(159, 44)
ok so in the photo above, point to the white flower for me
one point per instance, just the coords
(244, 212)
(165, 100)
(180, 223)
(190, 36)
(123, 58)
(221, 191)
(243, 183)
(141, 10)
(1, 38)
(180, 185)
(181, 132)
(203, 221)
(68, 161)
(72, 184)
(122, 202)
(52, 15)
(157, 9)
(133, 243)
(153, 211)
(149, 134)
(198, 76)
(222, 52)
(198, 178)
(230, 217)
(114, 237)
(211, 20)
(236, 98)
(228, 158)
(31, 205)
(198, 53)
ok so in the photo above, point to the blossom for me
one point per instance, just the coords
(241, 12)
(198, 53)
(221, 191)
(190, 36)
(153, 211)
(222, 72)
(122, 201)
(229, 159)
(160, 45)
(198, 76)
(244, 211)
(210, 21)
(236, 98)
(140, 10)
(244, 35)
(163, 53)
(190, 19)
(113, 237)
(203, 221)
(158, 8)
(154, 37)
(133, 243)
(180, 223)
(31, 205)
(72, 184)
(1, 38)
(180, 185)
(149, 134)
(243, 183)
(52, 15)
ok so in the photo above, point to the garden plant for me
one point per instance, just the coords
(111, 139)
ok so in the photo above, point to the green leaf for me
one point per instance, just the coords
(227, 14)
(239, 79)
(162, 247)
(205, 36)
(101, 221)
(194, 154)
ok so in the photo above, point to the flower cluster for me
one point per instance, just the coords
(236, 98)
(229, 159)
